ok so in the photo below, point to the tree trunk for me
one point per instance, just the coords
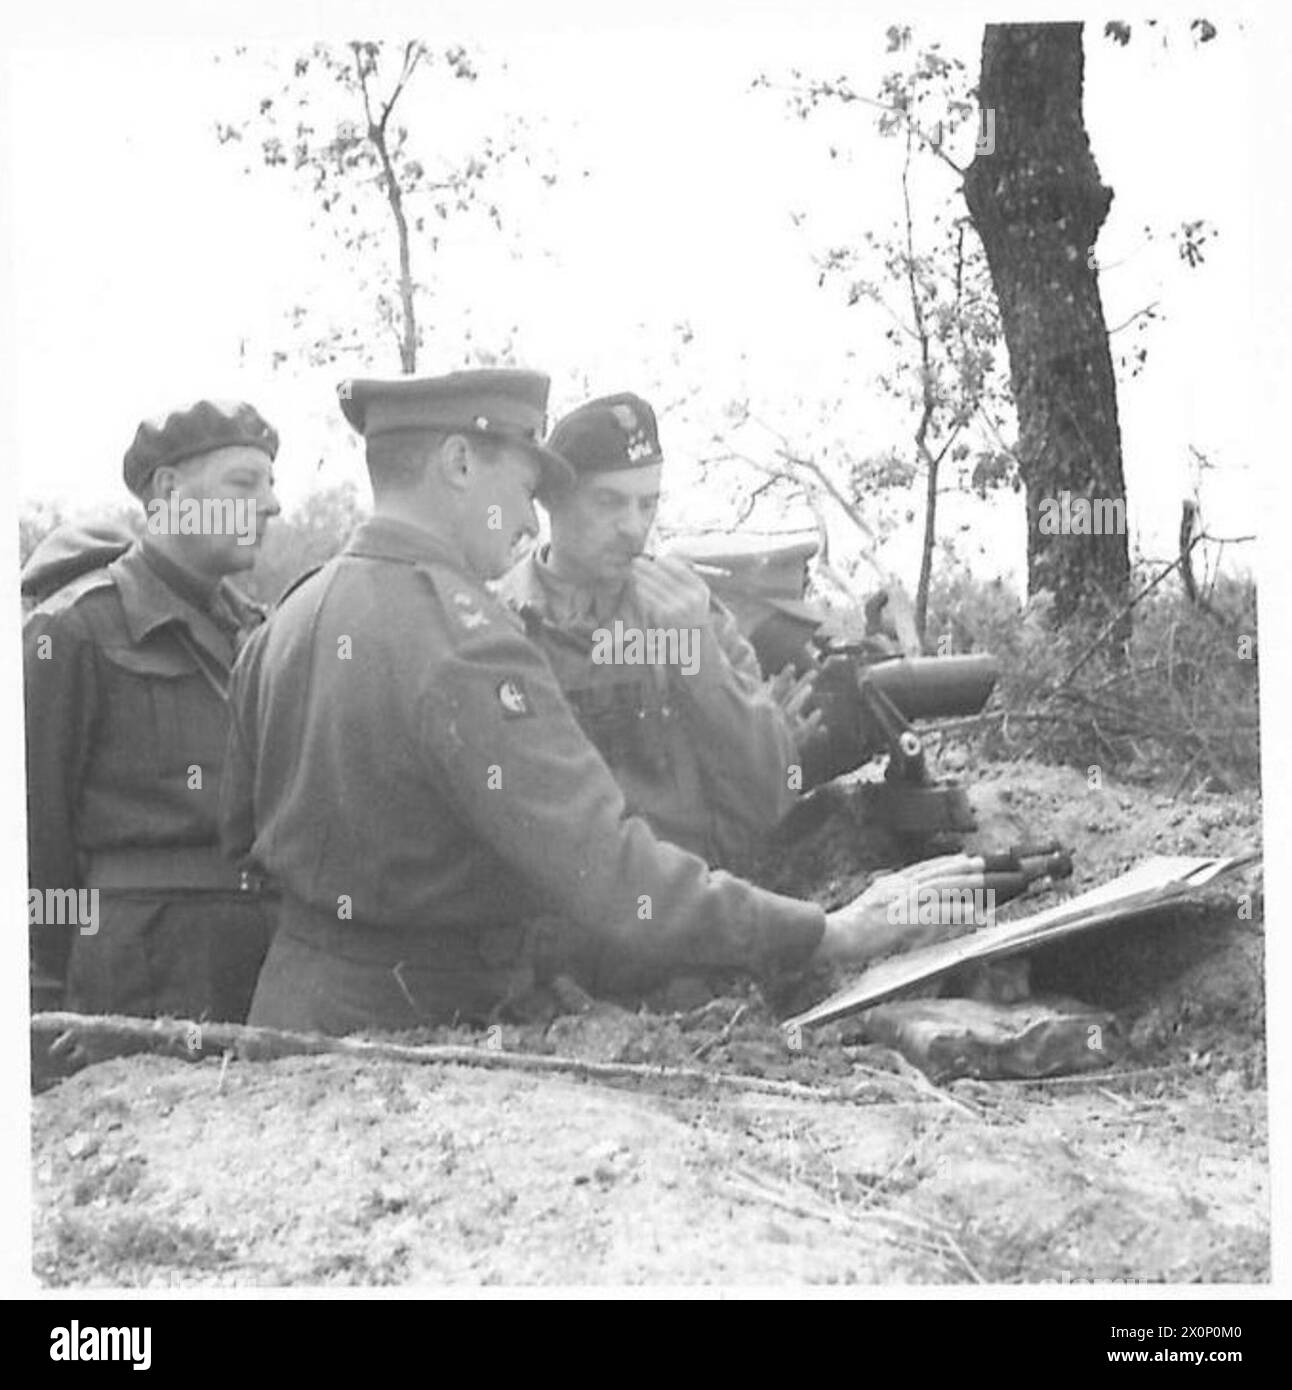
(926, 549)
(408, 333)
(1038, 204)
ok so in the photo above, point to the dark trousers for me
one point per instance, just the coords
(326, 976)
(193, 954)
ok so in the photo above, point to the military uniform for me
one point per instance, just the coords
(125, 670)
(704, 758)
(404, 764)
(703, 753)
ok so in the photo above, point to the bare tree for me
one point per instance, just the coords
(337, 120)
(930, 280)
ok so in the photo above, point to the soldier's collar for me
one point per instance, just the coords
(522, 586)
(568, 601)
(199, 592)
(150, 603)
(387, 538)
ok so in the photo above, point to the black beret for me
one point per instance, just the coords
(502, 402)
(608, 434)
(195, 429)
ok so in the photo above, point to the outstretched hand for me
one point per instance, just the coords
(871, 925)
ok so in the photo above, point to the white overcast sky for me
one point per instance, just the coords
(147, 268)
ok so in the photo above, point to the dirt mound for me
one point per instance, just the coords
(324, 1171)
(330, 1170)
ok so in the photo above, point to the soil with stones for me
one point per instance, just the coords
(333, 1170)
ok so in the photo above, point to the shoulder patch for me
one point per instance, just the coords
(514, 698)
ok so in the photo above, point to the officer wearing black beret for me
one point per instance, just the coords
(700, 748)
(127, 655)
(404, 765)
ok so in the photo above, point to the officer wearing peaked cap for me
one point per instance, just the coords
(127, 654)
(403, 762)
(702, 752)
(494, 406)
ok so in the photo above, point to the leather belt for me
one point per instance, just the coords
(178, 868)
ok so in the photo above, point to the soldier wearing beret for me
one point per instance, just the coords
(403, 763)
(127, 655)
(700, 750)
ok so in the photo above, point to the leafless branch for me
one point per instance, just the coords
(111, 1035)
(1146, 311)
(913, 126)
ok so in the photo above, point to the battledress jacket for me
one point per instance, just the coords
(704, 756)
(401, 758)
(124, 677)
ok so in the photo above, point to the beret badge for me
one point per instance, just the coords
(638, 443)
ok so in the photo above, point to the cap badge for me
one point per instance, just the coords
(638, 445)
